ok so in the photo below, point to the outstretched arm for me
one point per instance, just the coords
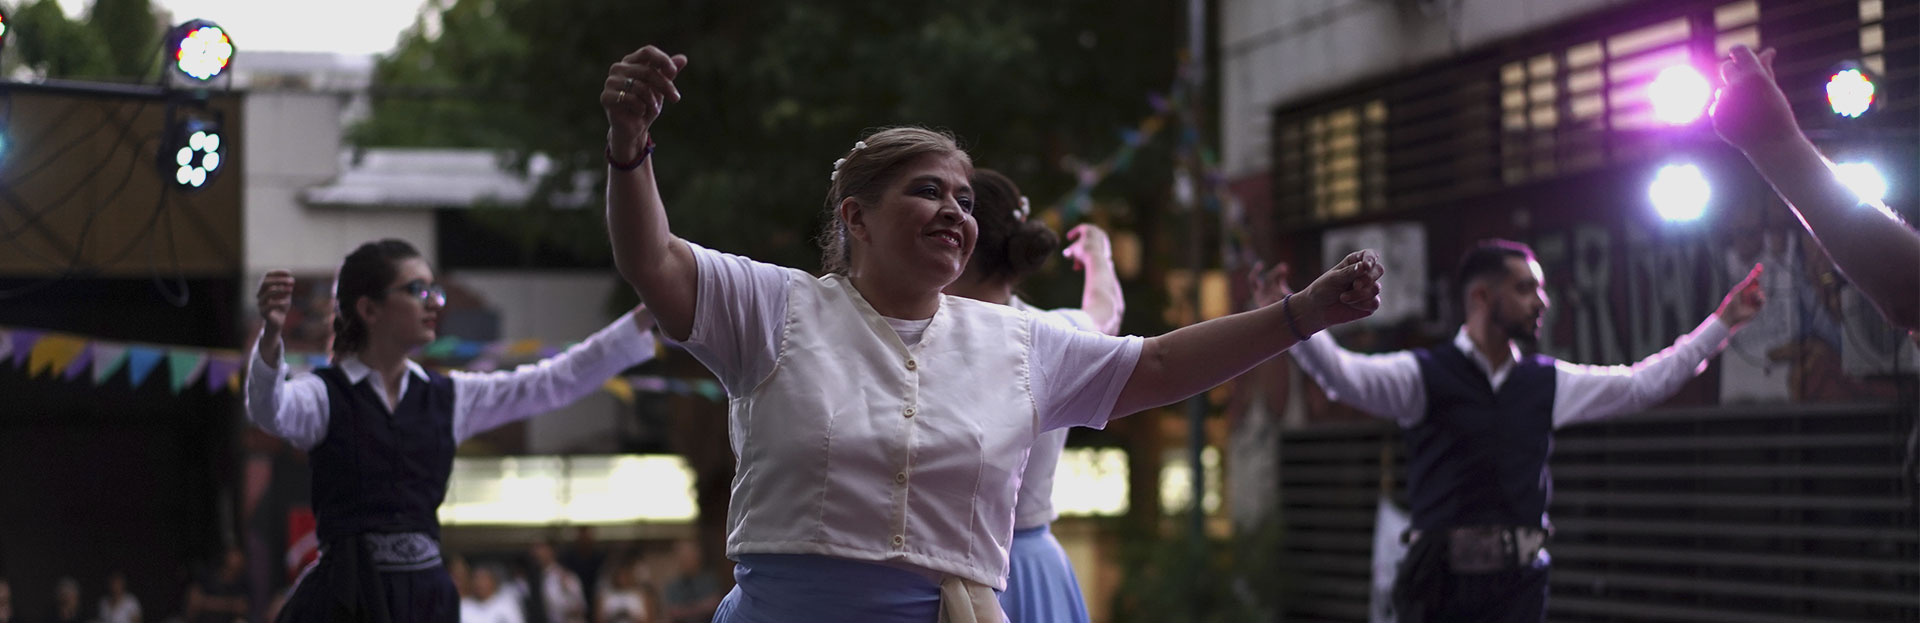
(1194, 358)
(483, 401)
(658, 265)
(1384, 386)
(1584, 393)
(1100, 297)
(1868, 243)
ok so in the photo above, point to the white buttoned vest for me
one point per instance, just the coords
(860, 447)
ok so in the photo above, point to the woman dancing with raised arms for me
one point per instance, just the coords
(879, 425)
(380, 430)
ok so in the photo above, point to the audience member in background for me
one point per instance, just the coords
(561, 592)
(118, 605)
(627, 598)
(585, 559)
(486, 604)
(692, 595)
(461, 574)
(66, 601)
(220, 597)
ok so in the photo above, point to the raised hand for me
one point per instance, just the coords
(1744, 301)
(1348, 292)
(1090, 247)
(1750, 111)
(1269, 284)
(636, 91)
(274, 299)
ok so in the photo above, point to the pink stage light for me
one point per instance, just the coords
(1679, 95)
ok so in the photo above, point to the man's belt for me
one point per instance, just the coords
(1486, 549)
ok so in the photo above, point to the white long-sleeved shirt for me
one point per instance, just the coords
(294, 406)
(1389, 385)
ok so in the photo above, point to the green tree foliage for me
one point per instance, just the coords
(46, 41)
(119, 40)
(775, 91)
(131, 33)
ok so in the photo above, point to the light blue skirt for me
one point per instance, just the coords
(1040, 584)
(790, 588)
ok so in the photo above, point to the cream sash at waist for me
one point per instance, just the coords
(965, 601)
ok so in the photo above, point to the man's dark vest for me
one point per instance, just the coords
(1479, 457)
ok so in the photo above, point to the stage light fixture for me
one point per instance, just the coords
(1679, 192)
(1865, 180)
(1679, 95)
(195, 151)
(201, 50)
(1850, 92)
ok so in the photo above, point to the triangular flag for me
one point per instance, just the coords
(79, 364)
(107, 359)
(140, 362)
(186, 365)
(619, 388)
(221, 370)
(53, 352)
(23, 340)
(523, 348)
(709, 389)
(440, 348)
(467, 350)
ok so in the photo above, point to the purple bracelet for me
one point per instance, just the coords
(1287, 312)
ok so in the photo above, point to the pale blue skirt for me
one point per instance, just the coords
(1040, 584)
(791, 588)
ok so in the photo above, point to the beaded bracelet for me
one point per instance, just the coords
(629, 166)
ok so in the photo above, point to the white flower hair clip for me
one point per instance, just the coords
(1025, 209)
(835, 176)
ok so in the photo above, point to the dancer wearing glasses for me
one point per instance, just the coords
(380, 430)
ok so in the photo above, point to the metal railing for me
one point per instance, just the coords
(1782, 513)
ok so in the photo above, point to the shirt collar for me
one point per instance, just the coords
(1465, 344)
(356, 371)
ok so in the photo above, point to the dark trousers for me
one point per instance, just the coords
(1426, 591)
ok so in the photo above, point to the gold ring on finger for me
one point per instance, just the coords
(620, 98)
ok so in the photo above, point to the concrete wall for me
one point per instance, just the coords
(293, 142)
(1275, 52)
(558, 306)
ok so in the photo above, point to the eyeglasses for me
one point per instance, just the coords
(426, 292)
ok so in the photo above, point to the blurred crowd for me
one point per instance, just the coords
(580, 582)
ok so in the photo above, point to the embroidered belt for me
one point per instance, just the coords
(405, 551)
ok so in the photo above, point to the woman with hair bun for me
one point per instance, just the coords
(1041, 587)
(380, 430)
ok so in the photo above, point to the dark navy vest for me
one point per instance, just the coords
(380, 472)
(1479, 457)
